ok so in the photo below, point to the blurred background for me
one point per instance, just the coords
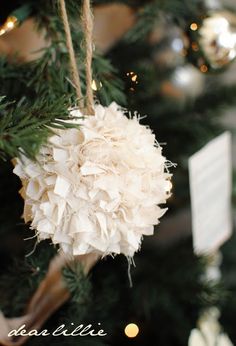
(173, 61)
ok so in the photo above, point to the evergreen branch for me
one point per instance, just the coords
(180, 11)
(112, 87)
(25, 124)
(78, 284)
(24, 130)
(22, 277)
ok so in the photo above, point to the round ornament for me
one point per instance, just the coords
(188, 80)
(213, 42)
(218, 38)
(96, 188)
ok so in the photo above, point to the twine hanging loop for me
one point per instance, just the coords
(87, 24)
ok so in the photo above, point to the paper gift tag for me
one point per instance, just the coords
(210, 172)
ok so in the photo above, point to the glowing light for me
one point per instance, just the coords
(195, 46)
(96, 85)
(131, 330)
(203, 68)
(133, 76)
(177, 45)
(183, 75)
(194, 26)
(8, 25)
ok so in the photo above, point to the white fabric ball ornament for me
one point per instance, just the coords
(96, 188)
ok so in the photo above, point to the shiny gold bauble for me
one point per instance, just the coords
(217, 38)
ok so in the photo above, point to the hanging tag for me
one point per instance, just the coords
(210, 173)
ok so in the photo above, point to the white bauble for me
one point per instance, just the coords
(188, 80)
(96, 188)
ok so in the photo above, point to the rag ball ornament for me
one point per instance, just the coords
(96, 188)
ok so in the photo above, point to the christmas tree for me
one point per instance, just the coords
(164, 60)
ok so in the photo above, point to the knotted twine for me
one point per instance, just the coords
(87, 25)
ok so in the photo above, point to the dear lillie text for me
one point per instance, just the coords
(80, 330)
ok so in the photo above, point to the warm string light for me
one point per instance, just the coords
(195, 46)
(9, 24)
(131, 330)
(132, 76)
(96, 85)
(203, 68)
(194, 26)
(134, 79)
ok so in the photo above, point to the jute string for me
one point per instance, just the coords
(87, 23)
(87, 20)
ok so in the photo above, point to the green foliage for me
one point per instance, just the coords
(77, 282)
(111, 86)
(24, 129)
(22, 276)
(42, 90)
(167, 294)
(179, 11)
